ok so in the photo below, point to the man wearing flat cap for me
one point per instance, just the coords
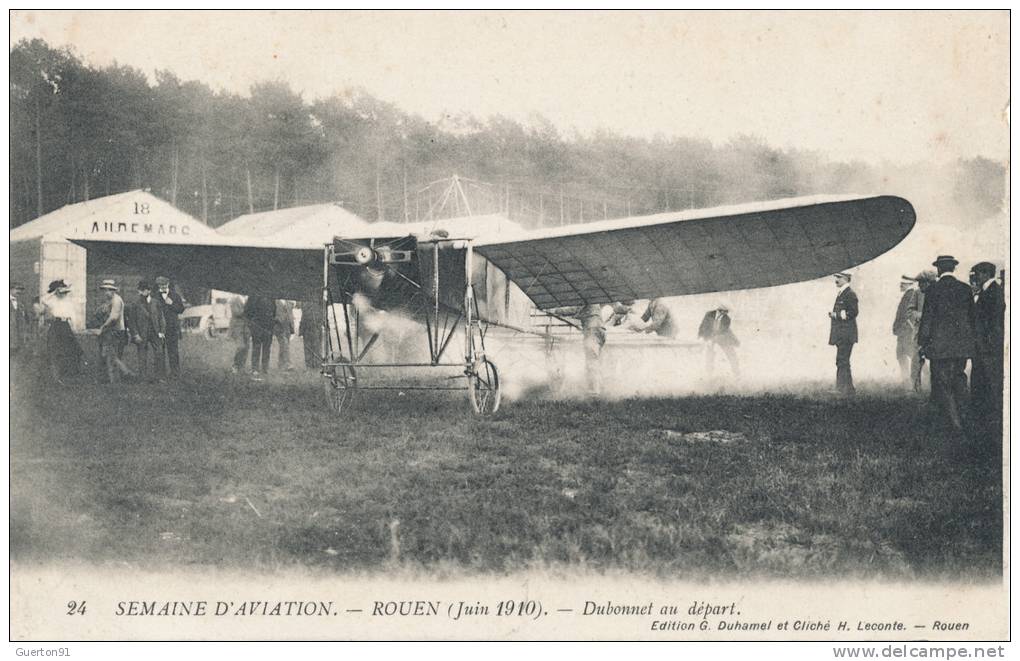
(946, 338)
(843, 332)
(986, 367)
(905, 328)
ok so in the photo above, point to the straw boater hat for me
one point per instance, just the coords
(162, 280)
(58, 286)
(109, 285)
(844, 274)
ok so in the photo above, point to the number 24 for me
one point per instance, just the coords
(75, 608)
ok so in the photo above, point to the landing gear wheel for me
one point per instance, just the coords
(340, 383)
(483, 387)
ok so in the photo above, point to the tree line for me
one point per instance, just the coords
(79, 132)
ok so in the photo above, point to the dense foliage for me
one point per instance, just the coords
(79, 132)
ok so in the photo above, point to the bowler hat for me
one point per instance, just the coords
(144, 284)
(945, 259)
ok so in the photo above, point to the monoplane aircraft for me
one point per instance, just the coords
(469, 274)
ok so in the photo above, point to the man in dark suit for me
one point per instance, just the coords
(843, 332)
(986, 366)
(260, 312)
(147, 330)
(946, 338)
(173, 304)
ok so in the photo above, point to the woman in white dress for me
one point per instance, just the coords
(63, 353)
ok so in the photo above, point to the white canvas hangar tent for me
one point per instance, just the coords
(41, 250)
(323, 220)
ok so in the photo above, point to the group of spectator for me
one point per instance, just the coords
(948, 323)
(257, 321)
(150, 323)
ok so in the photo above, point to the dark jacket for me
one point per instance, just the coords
(989, 320)
(144, 320)
(843, 325)
(171, 310)
(260, 313)
(311, 319)
(947, 322)
(717, 331)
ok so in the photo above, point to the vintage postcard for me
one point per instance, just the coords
(478, 325)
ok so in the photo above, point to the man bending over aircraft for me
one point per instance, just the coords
(657, 319)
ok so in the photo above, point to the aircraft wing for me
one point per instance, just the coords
(699, 251)
(237, 264)
(674, 254)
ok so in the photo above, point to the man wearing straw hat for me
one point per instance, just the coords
(113, 334)
(946, 338)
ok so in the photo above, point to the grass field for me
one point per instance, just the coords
(217, 470)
